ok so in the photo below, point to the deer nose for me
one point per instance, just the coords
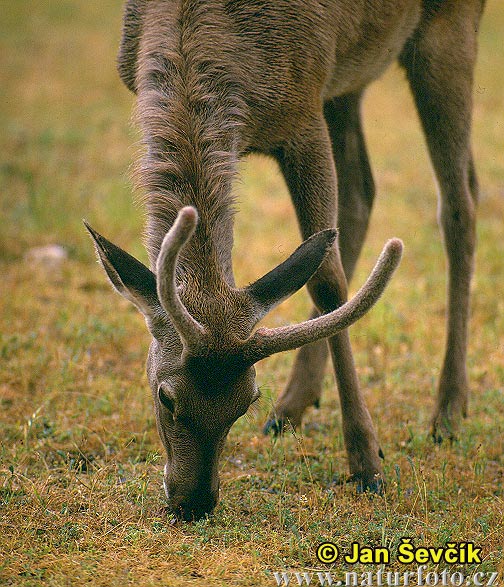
(194, 507)
(191, 503)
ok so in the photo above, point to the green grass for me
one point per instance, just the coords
(81, 499)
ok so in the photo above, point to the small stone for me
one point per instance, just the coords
(50, 255)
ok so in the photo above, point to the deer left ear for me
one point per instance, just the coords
(131, 278)
(293, 273)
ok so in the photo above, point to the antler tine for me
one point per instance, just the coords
(189, 329)
(265, 341)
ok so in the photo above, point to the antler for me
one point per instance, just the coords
(266, 341)
(189, 329)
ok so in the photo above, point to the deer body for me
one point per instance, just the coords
(218, 79)
(283, 59)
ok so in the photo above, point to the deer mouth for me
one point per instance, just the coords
(194, 508)
(192, 505)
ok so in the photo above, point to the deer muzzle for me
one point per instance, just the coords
(191, 498)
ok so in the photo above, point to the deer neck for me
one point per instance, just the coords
(191, 136)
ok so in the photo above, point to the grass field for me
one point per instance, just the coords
(80, 459)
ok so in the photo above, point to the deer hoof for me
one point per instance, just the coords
(275, 426)
(442, 429)
(446, 421)
(366, 484)
(437, 437)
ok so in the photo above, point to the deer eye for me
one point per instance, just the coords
(166, 400)
(255, 398)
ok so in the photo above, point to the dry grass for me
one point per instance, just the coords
(80, 460)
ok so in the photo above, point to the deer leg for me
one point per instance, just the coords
(304, 387)
(356, 189)
(355, 198)
(440, 71)
(310, 174)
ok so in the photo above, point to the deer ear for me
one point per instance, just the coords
(131, 278)
(293, 273)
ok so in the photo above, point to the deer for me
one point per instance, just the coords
(216, 80)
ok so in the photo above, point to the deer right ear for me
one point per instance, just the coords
(293, 273)
(131, 278)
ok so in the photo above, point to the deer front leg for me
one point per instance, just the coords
(439, 64)
(356, 192)
(304, 386)
(356, 188)
(310, 174)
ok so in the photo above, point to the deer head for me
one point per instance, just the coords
(201, 359)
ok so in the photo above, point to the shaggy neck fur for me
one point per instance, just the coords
(190, 115)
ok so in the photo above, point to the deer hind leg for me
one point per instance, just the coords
(439, 63)
(309, 170)
(355, 198)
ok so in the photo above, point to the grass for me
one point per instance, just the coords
(80, 460)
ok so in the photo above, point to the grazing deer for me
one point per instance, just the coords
(217, 79)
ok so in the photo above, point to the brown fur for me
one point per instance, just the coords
(217, 79)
